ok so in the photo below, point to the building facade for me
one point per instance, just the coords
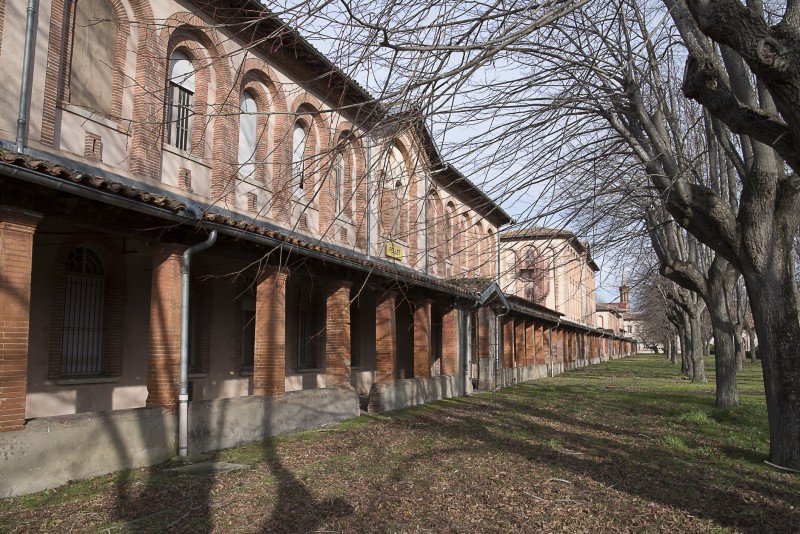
(193, 219)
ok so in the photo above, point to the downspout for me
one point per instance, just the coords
(550, 334)
(183, 393)
(497, 328)
(369, 196)
(25, 86)
(425, 208)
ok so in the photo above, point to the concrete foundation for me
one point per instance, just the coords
(52, 451)
(413, 391)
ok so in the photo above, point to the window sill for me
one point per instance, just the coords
(87, 380)
(185, 155)
(308, 370)
(245, 373)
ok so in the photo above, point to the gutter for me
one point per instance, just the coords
(25, 86)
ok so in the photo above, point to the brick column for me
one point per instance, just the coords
(16, 248)
(530, 343)
(385, 339)
(450, 342)
(508, 344)
(164, 353)
(269, 355)
(546, 344)
(337, 336)
(422, 338)
(519, 343)
(560, 335)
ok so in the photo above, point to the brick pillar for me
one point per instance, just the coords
(269, 355)
(422, 339)
(547, 334)
(450, 342)
(484, 333)
(385, 339)
(16, 248)
(530, 343)
(508, 344)
(337, 337)
(164, 354)
(519, 343)
(560, 335)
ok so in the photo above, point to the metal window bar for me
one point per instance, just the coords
(180, 109)
(82, 336)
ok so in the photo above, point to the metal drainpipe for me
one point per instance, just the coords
(497, 327)
(25, 86)
(552, 370)
(183, 393)
(425, 201)
(369, 198)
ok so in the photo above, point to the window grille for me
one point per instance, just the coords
(84, 303)
(338, 186)
(180, 109)
(181, 96)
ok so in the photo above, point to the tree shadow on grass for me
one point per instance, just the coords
(646, 469)
(296, 509)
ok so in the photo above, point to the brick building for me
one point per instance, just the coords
(337, 261)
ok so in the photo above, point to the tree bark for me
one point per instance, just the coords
(778, 325)
(720, 286)
(697, 356)
(673, 353)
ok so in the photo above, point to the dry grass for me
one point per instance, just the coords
(621, 447)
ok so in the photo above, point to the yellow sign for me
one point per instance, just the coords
(394, 251)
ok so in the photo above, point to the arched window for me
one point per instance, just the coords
(181, 101)
(248, 135)
(534, 272)
(84, 304)
(393, 195)
(298, 158)
(91, 74)
(338, 184)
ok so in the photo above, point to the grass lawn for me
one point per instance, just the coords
(626, 446)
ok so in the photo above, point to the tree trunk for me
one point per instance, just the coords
(778, 326)
(752, 336)
(673, 350)
(686, 348)
(720, 288)
(739, 346)
(697, 356)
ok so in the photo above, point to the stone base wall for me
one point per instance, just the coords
(51, 451)
(414, 391)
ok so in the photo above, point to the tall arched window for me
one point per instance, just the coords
(91, 74)
(181, 101)
(84, 304)
(393, 195)
(248, 135)
(534, 272)
(338, 184)
(298, 158)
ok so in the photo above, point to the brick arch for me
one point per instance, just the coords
(491, 251)
(59, 52)
(479, 252)
(256, 77)
(305, 110)
(464, 229)
(357, 205)
(452, 246)
(114, 309)
(181, 29)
